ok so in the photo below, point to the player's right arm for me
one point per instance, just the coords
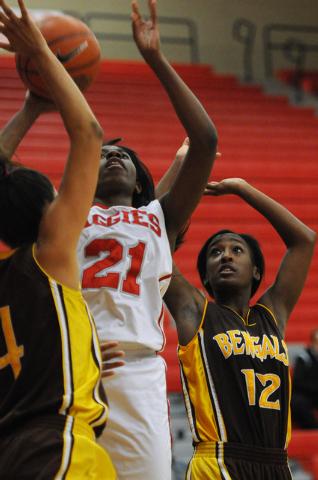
(65, 217)
(186, 305)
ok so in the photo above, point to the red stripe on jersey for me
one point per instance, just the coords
(160, 320)
(166, 276)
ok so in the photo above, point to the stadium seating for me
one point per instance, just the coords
(262, 139)
(304, 447)
(307, 80)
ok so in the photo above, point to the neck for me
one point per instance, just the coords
(239, 303)
(114, 200)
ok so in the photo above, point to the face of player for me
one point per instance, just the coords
(230, 266)
(116, 171)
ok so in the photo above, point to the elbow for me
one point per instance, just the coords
(94, 134)
(211, 138)
(97, 130)
(312, 237)
(88, 131)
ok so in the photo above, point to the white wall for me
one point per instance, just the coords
(214, 20)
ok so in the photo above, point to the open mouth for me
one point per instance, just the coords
(115, 162)
(226, 269)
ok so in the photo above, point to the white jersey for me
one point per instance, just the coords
(126, 266)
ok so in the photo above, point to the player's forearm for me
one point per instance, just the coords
(291, 230)
(189, 110)
(15, 130)
(167, 180)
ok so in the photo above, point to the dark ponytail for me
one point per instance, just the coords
(23, 195)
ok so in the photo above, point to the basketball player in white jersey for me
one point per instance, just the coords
(126, 263)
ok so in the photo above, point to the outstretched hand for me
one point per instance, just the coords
(225, 187)
(22, 34)
(109, 354)
(146, 34)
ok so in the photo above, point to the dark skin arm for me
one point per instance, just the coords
(185, 302)
(18, 126)
(186, 305)
(167, 180)
(282, 296)
(63, 220)
(108, 354)
(187, 189)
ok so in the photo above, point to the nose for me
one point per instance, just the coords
(113, 153)
(227, 256)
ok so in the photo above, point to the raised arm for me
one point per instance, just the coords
(167, 180)
(188, 187)
(18, 126)
(300, 241)
(63, 221)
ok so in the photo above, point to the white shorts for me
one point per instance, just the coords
(137, 436)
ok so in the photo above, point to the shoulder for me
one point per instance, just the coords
(153, 206)
(261, 310)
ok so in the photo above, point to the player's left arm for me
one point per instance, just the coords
(282, 296)
(186, 191)
(167, 180)
(17, 127)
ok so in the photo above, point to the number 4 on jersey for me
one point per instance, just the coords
(14, 353)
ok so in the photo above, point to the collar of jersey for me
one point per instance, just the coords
(248, 314)
(106, 208)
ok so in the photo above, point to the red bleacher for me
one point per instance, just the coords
(307, 80)
(304, 447)
(262, 139)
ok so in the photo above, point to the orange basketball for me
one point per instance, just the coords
(75, 46)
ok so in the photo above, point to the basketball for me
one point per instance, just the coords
(75, 46)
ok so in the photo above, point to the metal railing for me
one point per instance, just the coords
(190, 39)
(244, 31)
(294, 49)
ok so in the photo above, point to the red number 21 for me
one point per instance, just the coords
(112, 279)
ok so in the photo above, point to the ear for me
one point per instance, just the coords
(137, 188)
(256, 273)
(205, 280)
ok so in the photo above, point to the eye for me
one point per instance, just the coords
(238, 249)
(103, 155)
(125, 155)
(215, 251)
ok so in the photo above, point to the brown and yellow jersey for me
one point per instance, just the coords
(236, 380)
(49, 351)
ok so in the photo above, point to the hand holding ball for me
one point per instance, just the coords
(75, 46)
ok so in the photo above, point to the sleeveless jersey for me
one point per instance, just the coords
(126, 265)
(236, 380)
(49, 352)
